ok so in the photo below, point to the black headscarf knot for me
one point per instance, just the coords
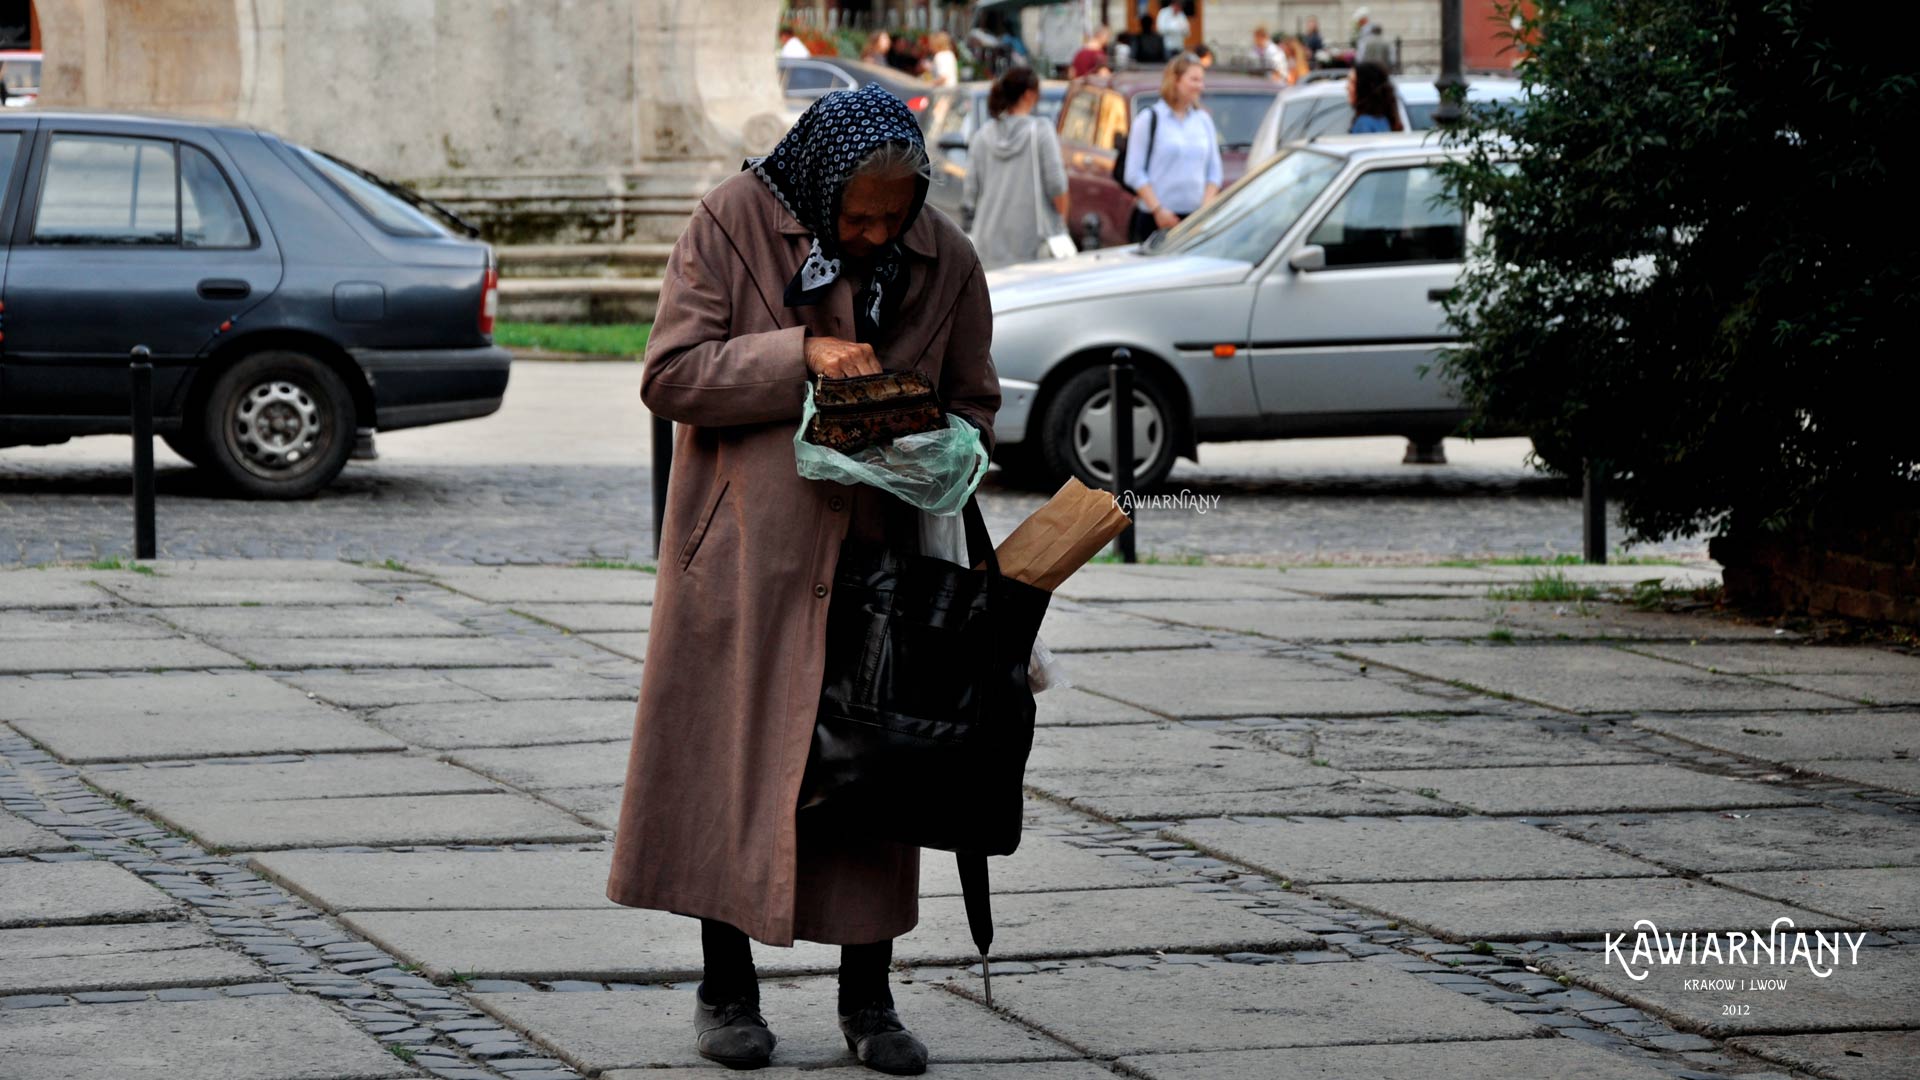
(808, 172)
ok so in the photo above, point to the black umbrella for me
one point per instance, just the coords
(973, 888)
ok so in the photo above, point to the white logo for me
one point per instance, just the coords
(1651, 947)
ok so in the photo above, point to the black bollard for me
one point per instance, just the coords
(1120, 391)
(1593, 513)
(662, 468)
(141, 372)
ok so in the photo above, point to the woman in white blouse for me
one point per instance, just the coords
(1173, 152)
(946, 66)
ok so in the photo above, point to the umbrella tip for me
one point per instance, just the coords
(986, 975)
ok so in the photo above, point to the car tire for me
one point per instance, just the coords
(186, 442)
(1076, 427)
(278, 425)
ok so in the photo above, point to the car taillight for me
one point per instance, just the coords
(489, 296)
(917, 102)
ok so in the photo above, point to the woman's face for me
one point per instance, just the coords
(873, 210)
(883, 42)
(1192, 83)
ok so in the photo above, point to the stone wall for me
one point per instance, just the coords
(562, 119)
(1863, 566)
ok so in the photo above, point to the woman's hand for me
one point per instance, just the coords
(839, 359)
(1165, 218)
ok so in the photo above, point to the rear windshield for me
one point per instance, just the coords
(379, 199)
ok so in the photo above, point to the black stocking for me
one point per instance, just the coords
(729, 971)
(863, 976)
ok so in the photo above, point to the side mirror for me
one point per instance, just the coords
(1309, 257)
(953, 140)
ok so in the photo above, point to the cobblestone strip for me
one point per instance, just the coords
(306, 952)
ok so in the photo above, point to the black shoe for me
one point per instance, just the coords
(878, 1038)
(732, 1033)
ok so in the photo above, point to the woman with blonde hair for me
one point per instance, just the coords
(1173, 152)
(945, 65)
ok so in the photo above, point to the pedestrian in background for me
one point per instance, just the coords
(1268, 58)
(1173, 152)
(1203, 52)
(1172, 26)
(791, 45)
(902, 57)
(1016, 184)
(1376, 107)
(1310, 37)
(1092, 54)
(816, 260)
(875, 50)
(1373, 46)
(945, 65)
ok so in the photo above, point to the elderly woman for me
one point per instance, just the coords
(817, 259)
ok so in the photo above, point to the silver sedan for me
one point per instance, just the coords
(1305, 301)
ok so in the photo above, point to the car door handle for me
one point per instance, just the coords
(1438, 295)
(224, 289)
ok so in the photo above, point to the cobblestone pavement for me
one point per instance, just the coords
(560, 475)
(319, 820)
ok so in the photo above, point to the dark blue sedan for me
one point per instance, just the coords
(288, 298)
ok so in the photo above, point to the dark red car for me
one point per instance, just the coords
(1096, 115)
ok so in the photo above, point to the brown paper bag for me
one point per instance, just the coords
(1061, 536)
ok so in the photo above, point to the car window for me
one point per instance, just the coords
(210, 215)
(1322, 116)
(1076, 125)
(811, 79)
(954, 112)
(108, 189)
(1252, 215)
(9, 152)
(1113, 122)
(1392, 216)
(1420, 116)
(388, 210)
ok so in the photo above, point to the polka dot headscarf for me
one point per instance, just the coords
(809, 170)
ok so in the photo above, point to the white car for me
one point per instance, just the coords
(1319, 107)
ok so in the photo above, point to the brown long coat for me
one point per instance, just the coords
(735, 658)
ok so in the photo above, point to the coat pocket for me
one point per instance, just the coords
(699, 533)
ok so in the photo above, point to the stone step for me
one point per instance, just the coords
(583, 260)
(579, 299)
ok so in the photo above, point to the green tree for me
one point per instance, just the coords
(1699, 266)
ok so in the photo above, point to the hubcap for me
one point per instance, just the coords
(1093, 434)
(277, 426)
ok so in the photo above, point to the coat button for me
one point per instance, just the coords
(835, 503)
(819, 590)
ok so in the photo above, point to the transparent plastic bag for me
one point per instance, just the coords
(946, 538)
(935, 470)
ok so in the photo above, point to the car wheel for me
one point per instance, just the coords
(1076, 431)
(279, 425)
(186, 442)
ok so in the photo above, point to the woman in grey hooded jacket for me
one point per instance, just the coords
(1016, 185)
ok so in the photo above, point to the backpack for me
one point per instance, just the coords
(1120, 151)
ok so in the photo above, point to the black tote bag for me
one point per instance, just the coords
(925, 716)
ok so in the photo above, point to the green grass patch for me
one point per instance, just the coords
(593, 339)
(1550, 587)
(1616, 559)
(1501, 636)
(115, 562)
(1152, 560)
(615, 564)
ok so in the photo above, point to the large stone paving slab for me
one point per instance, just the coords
(286, 1037)
(1568, 910)
(1316, 850)
(1042, 864)
(136, 956)
(1783, 737)
(1439, 741)
(539, 767)
(1885, 898)
(1088, 629)
(1587, 789)
(400, 820)
(156, 654)
(1851, 1055)
(1877, 993)
(326, 777)
(1345, 797)
(1591, 678)
(1198, 683)
(338, 621)
(291, 654)
(637, 945)
(649, 1029)
(1875, 676)
(987, 1070)
(523, 684)
(19, 836)
(443, 880)
(96, 625)
(546, 584)
(277, 570)
(1809, 838)
(158, 717)
(1095, 582)
(599, 804)
(1183, 1007)
(473, 725)
(632, 646)
(376, 688)
(1505, 1059)
(1890, 774)
(1331, 620)
(65, 893)
(1066, 706)
(51, 589)
(592, 618)
(206, 590)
